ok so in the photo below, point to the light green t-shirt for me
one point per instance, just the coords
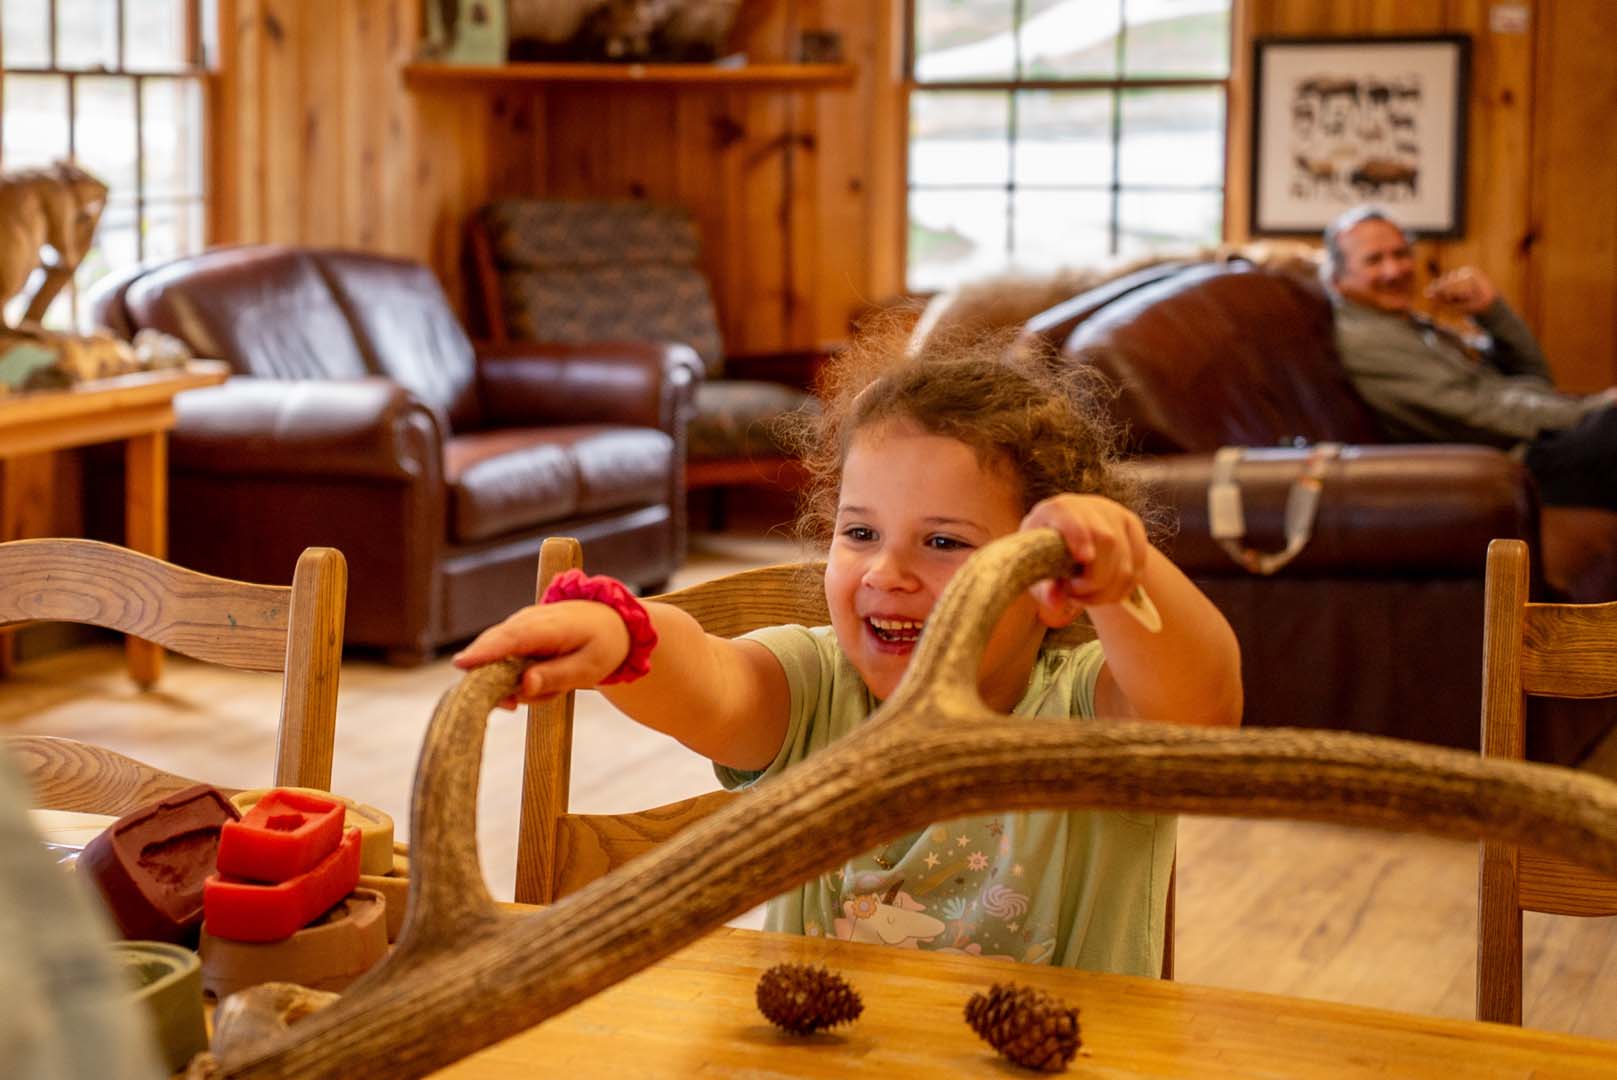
(1084, 889)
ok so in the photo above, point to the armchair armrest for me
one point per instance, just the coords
(620, 382)
(270, 427)
(1391, 511)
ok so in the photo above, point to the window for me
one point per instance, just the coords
(1050, 133)
(117, 86)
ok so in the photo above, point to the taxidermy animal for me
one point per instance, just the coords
(59, 205)
(619, 29)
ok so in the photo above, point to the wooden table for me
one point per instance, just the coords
(693, 1015)
(138, 409)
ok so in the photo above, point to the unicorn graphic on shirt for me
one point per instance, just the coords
(895, 918)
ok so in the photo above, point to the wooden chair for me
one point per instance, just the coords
(1552, 650)
(296, 629)
(559, 852)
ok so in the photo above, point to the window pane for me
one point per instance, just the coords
(1173, 138)
(25, 33)
(35, 121)
(1177, 37)
(87, 33)
(955, 236)
(105, 135)
(1070, 38)
(173, 229)
(154, 35)
(964, 40)
(959, 138)
(172, 130)
(1151, 220)
(1061, 228)
(114, 247)
(1064, 137)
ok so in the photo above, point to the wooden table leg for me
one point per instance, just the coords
(146, 529)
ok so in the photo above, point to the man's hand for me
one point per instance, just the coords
(1467, 289)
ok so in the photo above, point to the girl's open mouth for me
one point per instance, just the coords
(895, 631)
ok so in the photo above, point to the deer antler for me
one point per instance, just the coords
(463, 978)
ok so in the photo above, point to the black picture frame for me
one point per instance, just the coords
(1339, 121)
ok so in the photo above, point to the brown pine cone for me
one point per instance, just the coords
(803, 999)
(1028, 1026)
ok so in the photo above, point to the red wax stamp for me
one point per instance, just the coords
(250, 911)
(150, 864)
(284, 834)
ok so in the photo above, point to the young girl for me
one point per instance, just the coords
(920, 461)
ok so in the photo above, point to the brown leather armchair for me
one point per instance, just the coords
(361, 418)
(1376, 624)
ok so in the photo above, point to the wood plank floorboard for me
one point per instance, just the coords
(1311, 910)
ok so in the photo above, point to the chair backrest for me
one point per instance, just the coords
(578, 270)
(1550, 650)
(296, 630)
(558, 852)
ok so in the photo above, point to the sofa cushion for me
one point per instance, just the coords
(1225, 355)
(407, 330)
(576, 271)
(515, 478)
(267, 311)
(741, 418)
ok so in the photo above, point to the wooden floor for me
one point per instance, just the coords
(1316, 911)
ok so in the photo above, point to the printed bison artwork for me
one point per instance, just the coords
(1355, 138)
(1342, 121)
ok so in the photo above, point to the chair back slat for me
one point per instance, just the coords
(1570, 650)
(85, 581)
(589, 846)
(70, 775)
(1557, 886)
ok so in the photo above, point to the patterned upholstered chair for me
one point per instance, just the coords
(575, 271)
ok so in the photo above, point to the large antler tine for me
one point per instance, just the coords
(897, 772)
(944, 666)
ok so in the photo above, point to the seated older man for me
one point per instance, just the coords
(1427, 385)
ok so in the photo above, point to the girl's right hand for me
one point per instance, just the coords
(575, 644)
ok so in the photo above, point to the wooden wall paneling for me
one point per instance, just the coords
(518, 146)
(279, 108)
(1574, 194)
(885, 103)
(1238, 124)
(328, 163)
(448, 175)
(1498, 151)
(368, 79)
(236, 148)
(753, 292)
(837, 235)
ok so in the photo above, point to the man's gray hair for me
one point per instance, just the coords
(1349, 219)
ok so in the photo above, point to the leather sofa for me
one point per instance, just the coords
(361, 417)
(1376, 624)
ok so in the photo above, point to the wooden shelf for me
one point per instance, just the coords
(423, 72)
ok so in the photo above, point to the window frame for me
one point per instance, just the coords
(1117, 85)
(196, 68)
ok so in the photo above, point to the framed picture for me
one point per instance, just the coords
(1343, 121)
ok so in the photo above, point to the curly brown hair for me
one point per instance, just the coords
(1014, 404)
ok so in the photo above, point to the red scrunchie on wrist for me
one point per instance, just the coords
(574, 585)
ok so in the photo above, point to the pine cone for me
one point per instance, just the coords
(803, 999)
(1028, 1026)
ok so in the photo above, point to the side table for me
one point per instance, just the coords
(138, 409)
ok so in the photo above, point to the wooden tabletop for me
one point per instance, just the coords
(693, 1015)
(90, 411)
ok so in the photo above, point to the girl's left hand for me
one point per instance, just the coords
(1108, 542)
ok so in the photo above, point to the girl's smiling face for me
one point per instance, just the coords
(912, 507)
